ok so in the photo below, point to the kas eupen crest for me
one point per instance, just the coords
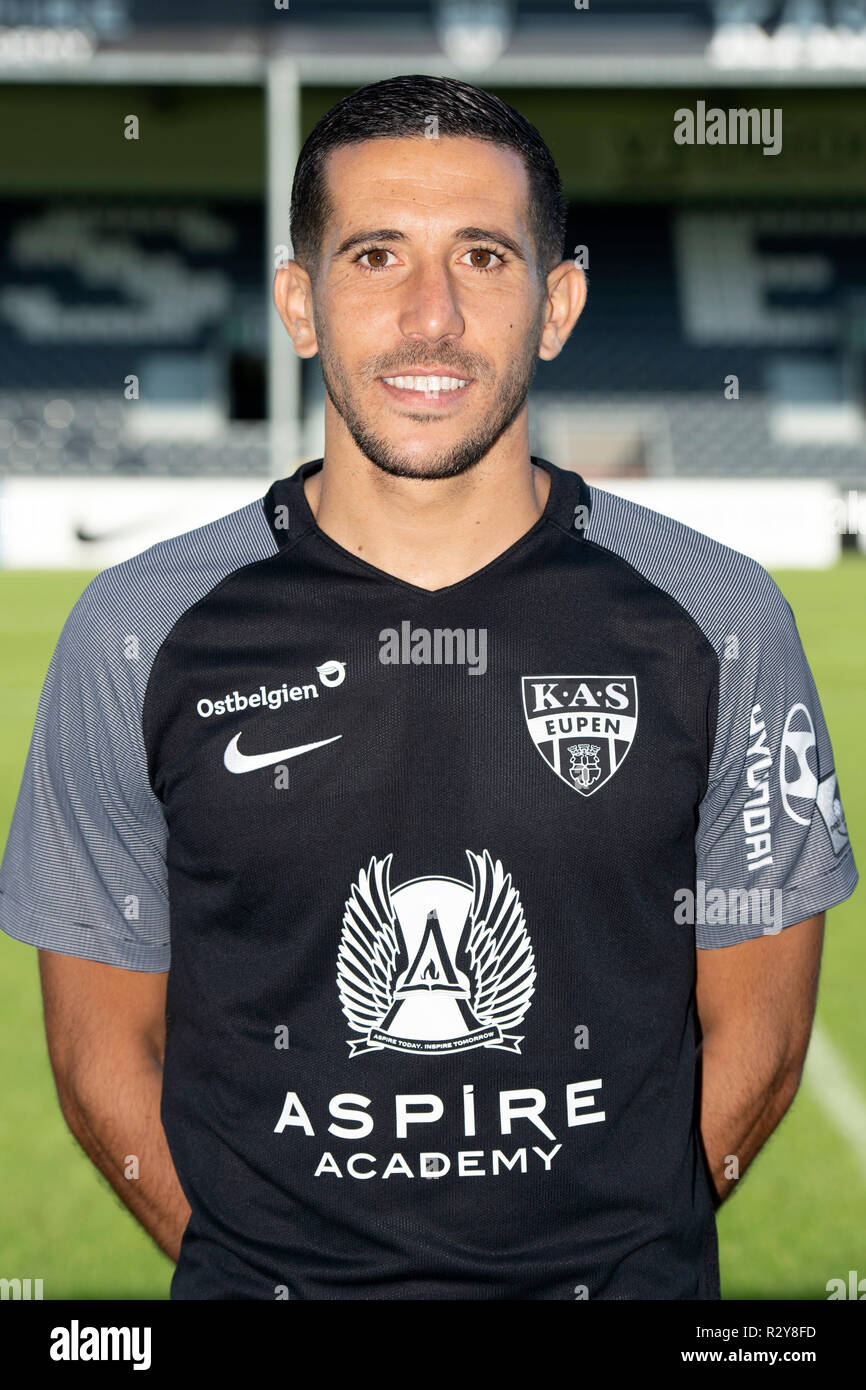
(435, 965)
(583, 726)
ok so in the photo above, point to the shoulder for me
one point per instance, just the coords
(724, 591)
(136, 603)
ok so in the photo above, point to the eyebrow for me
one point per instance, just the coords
(463, 234)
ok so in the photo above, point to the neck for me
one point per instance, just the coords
(429, 532)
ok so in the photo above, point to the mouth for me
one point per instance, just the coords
(430, 390)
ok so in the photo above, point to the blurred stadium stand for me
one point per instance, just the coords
(699, 270)
(171, 294)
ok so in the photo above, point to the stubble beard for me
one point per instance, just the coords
(457, 458)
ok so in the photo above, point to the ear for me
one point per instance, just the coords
(293, 297)
(566, 296)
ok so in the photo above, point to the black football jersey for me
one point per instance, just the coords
(428, 871)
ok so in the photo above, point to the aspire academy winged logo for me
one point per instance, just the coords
(583, 726)
(435, 965)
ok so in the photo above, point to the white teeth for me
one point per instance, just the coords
(426, 383)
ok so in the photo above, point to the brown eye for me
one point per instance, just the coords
(371, 257)
(482, 258)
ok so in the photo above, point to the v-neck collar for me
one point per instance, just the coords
(567, 489)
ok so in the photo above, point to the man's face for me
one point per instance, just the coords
(427, 278)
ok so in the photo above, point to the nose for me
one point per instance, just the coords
(429, 309)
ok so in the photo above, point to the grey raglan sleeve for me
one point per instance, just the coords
(84, 869)
(771, 822)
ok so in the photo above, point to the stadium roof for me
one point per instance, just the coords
(519, 42)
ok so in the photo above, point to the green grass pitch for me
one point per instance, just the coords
(798, 1218)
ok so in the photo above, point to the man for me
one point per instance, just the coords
(477, 813)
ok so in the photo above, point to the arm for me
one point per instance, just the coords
(756, 1002)
(106, 1039)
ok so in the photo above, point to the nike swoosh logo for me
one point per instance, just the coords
(236, 761)
(116, 533)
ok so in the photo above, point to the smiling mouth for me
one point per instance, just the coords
(431, 389)
(426, 383)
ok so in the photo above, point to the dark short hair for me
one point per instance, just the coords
(400, 107)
